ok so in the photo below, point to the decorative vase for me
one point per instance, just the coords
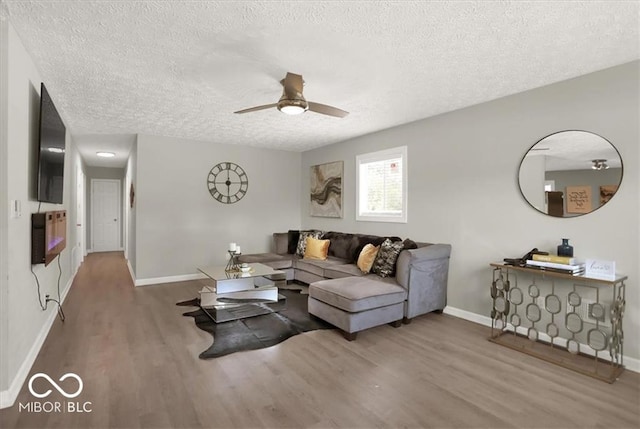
(565, 249)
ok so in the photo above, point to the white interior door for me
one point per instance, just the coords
(105, 215)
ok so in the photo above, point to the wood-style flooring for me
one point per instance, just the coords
(138, 358)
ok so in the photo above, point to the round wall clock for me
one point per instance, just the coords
(227, 182)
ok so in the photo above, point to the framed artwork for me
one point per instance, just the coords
(578, 199)
(606, 192)
(326, 189)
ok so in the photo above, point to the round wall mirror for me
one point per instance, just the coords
(570, 173)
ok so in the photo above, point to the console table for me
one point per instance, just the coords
(572, 321)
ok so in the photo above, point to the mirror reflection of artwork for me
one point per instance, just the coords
(578, 199)
(326, 189)
(569, 159)
(606, 192)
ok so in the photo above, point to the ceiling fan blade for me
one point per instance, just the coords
(293, 84)
(254, 109)
(327, 110)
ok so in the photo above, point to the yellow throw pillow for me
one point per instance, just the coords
(367, 256)
(316, 249)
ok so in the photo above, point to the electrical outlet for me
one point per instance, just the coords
(591, 313)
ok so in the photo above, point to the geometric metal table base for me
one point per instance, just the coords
(560, 323)
(585, 364)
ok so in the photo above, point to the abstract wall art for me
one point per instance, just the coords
(326, 189)
(606, 192)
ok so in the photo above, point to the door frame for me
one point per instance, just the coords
(80, 211)
(119, 222)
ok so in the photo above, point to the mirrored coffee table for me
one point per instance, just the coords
(237, 295)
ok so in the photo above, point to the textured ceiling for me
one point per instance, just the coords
(181, 68)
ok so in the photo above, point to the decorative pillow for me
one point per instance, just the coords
(292, 241)
(316, 249)
(409, 244)
(302, 241)
(367, 256)
(363, 240)
(385, 263)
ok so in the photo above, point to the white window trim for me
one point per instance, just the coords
(380, 156)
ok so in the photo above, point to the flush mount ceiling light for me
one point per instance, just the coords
(599, 164)
(106, 154)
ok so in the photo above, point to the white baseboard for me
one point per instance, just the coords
(131, 273)
(630, 363)
(467, 315)
(170, 279)
(8, 397)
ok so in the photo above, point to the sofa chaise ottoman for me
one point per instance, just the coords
(354, 304)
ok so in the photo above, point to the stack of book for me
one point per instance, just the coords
(557, 264)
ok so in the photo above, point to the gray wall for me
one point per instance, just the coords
(181, 227)
(105, 173)
(25, 324)
(463, 188)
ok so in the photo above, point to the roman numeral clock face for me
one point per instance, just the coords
(227, 182)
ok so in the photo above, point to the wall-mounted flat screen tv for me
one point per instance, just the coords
(51, 151)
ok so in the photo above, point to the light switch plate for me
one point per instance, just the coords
(16, 209)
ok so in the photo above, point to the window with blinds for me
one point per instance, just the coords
(382, 186)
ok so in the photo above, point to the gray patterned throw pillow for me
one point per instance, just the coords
(302, 241)
(385, 263)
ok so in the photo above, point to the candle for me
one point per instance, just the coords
(232, 247)
(238, 249)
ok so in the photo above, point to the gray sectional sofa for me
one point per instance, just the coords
(345, 297)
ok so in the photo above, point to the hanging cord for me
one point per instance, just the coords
(60, 312)
(47, 299)
(44, 307)
(39, 204)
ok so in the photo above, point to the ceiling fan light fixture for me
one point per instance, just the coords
(291, 110)
(599, 164)
(292, 107)
(292, 102)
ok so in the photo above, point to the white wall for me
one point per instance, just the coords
(25, 322)
(130, 212)
(4, 207)
(180, 227)
(463, 186)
